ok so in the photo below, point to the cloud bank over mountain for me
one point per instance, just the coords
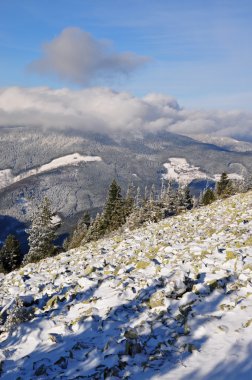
(104, 110)
(77, 57)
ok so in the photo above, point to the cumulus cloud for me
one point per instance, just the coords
(78, 57)
(105, 110)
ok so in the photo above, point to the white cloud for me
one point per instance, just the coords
(77, 57)
(104, 110)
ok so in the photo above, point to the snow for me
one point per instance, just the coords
(7, 178)
(179, 170)
(234, 176)
(71, 159)
(167, 301)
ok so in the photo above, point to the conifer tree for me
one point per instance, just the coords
(96, 230)
(162, 189)
(208, 197)
(152, 196)
(146, 194)
(224, 186)
(114, 214)
(169, 200)
(87, 219)
(41, 234)
(80, 231)
(137, 202)
(2, 270)
(184, 199)
(150, 209)
(187, 198)
(10, 254)
(129, 201)
(98, 227)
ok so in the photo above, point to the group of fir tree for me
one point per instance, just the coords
(114, 215)
(132, 211)
(224, 188)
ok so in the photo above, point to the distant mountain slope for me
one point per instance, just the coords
(169, 301)
(25, 153)
(224, 142)
(7, 178)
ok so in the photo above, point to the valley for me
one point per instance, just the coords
(74, 170)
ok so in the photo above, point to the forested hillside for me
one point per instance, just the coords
(28, 171)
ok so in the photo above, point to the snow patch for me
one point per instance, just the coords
(178, 169)
(7, 178)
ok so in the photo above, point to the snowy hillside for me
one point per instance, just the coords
(179, 170)
(35, 164)
(7, 178)
(169, 301)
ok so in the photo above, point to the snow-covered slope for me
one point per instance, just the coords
(179, 170)
(169, 301)
(7, 178)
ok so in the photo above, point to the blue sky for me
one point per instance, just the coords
(198, 51)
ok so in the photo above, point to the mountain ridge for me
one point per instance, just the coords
(138, 158)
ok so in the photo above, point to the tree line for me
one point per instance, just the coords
(130, 211)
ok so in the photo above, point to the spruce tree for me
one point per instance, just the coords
(10, 254)
(224, 186)
(87, 219)
(152, 196)
(114, 213)
(184, 199)
(149, 209)
(187, 198)
(138, 198)
(80, 232)
(169, 199)
(41, 234)
(129, 201)
(208, 197)
(96, 230)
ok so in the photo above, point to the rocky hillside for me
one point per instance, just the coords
(172, 300)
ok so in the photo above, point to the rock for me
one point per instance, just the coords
(131, 334)
(27, 300)
(52, 302)
(41, 370)
(132, 348)
(156, 300)
(142, 264)
(62, 362)
(88, 270)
